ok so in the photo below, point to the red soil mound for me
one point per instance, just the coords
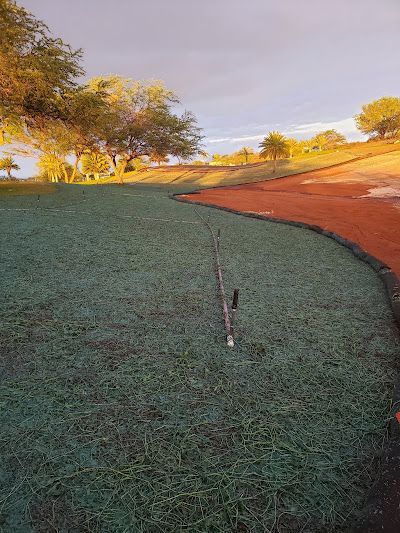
(359, 200)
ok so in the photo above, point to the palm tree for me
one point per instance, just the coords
(246, 151)
(274, 146)
(95, 163)
(52, 167)
(8, 164)
(293, 146)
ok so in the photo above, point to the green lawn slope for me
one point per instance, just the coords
(210, 176)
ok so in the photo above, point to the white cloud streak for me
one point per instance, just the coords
(346, 126)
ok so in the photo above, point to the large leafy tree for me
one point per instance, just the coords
(36, 69)
(333, 138)
(43, 108)
(184, 137)
(83, 113)
(49, 140)
(75, 131)
(380, 118)
(274, 146)
(320, 141)
(139, 121)
(8, 164)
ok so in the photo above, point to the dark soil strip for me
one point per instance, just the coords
(382, 510)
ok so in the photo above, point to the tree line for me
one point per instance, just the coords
(380, 120)
(115, 124)
(288, 147)
(106, 123)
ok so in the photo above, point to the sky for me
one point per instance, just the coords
(243, 67)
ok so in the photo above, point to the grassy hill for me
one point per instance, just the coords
(210, 176)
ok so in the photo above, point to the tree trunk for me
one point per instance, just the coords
(114, 164)
(65, 173)
(75, 168)
(120, 171)
(274, 164)
(3, 131)
(96, 176)
(8, 170)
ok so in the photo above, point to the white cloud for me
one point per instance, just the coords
(346, 126)
(236, 139)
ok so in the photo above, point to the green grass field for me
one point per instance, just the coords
(121, 408)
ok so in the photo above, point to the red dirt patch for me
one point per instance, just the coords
(358, 200)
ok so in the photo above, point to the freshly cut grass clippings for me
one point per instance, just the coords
(121, 407)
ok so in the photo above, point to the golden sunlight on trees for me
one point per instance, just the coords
(138, 121)
(8, 164)
(45, 113)
(95, 164)
(293, 146)
(274, 146)
(326, 140)
(35, 68)
(333, 138)
(320, 141)
(381, 118)
(52, 167)
(246, 152)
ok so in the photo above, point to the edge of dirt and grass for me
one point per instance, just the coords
(383, 499)
(381, 511)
